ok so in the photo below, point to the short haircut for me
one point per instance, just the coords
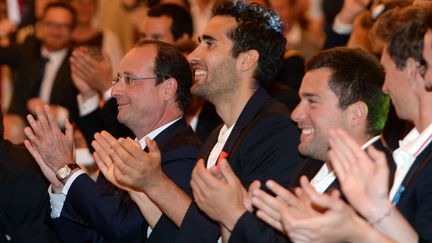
(181, 18)
(356, 76)
(63, 5)
(402, 31)
(258, 29)
(171, 63)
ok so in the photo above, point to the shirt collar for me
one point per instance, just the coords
(155, 132)
(370, 141)
(54, 55)
(415, 142)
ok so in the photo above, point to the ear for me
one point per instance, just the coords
(248, 60)
(358, 113)
(170, 88)
(414, 73)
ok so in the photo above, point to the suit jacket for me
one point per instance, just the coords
(251, 229)
(415, 202)
(27, 64)
(262, 146)
(23, 197)
(208, 120)
(94, 213)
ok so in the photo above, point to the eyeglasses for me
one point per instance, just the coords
(52, 25)
(128, 80)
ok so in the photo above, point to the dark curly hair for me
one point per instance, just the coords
(258, 29)
(356, 76)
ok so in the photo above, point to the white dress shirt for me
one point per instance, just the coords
(224, 134)
(324, 178)
(409, 148)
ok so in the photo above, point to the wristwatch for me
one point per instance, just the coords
(64, 172)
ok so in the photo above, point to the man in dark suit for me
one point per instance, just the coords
(233, 61)
(23, 197)
(165, 22)
(405, 82)
(41, 65)
(341, 89)
(151, 94)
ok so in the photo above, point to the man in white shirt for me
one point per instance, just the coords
(151, 94)
(401, 34)
(41, 65)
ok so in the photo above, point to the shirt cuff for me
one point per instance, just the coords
(57, 200)
(56, 203)
(87, 106)
(341, 28)
(107, 95)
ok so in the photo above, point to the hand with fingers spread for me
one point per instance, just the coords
(364, 181)
(103, 149)
(363, 176)
(220, 200)
(88, 72)
(269, 207)
(338, 222)
(51, 148)
(134, 167)
(103, 144)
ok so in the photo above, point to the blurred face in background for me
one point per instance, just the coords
(157, 28)
(85, 10)
(55, 28)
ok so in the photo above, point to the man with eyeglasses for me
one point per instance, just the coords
(152, 91)
(41, 65)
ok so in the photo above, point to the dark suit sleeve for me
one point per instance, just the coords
(250, 229)
(112, 214)
(417, 207)
(113, 217)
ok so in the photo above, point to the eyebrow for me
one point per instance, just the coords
(308, 95)
(206, 37)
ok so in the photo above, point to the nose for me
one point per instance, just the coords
(117, 90)
(194, 55)
(297, 113)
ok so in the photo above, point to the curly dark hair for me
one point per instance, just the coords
(171, 63)
(258, 29)
(356, 76)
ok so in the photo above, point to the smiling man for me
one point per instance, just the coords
(151, 94)
(41, 64)
(341, 89)
(239, 51)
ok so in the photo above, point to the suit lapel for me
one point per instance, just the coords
(252, 107)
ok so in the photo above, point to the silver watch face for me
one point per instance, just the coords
(63, 172)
